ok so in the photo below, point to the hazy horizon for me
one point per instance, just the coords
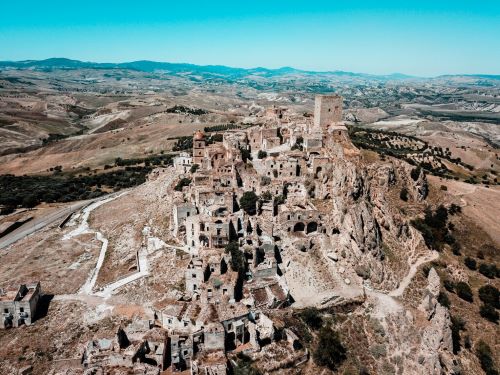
(424, 38)
(254, 67)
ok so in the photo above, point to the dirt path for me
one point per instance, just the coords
(411, 273)
(82, 228)
(150, 245)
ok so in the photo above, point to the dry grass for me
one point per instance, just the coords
(44, 256)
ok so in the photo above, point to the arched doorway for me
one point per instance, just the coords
(299, 227)
(312, 227)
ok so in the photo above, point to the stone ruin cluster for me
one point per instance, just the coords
(241, 209)
(247, 210)
(239, 200)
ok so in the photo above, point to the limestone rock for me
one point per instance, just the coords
(436, 347)
(429, 302)
(421, 187)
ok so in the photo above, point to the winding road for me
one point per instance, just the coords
(40, 222)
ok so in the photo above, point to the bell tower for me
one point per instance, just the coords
(198, 147)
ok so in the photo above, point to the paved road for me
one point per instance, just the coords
(38, 223)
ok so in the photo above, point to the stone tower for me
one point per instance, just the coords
(327, 111)
(198, 147)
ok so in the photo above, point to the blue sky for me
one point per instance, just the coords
(415, 37)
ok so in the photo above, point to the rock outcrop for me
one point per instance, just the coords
(436, 348)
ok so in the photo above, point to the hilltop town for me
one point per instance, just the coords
(283, 241)
(277, 217)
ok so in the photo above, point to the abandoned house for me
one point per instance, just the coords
(19, 306)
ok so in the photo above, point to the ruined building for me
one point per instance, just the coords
(19, 306)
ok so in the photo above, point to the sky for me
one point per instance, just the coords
(424, 38)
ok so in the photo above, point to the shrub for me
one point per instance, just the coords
(245, 154)
(449, 285)
(483, 353)
(455, 248)
(248, 202)
(194, 168)
(329, 351)
(454, 209)
(490, 295)
(490, 271)
(280, 199)
(457, 325)
(261, 154)
(312, 317)
(449, 239)
(488, 312)
(7, 210)
(362, 271)
(182, 182)
(243, 366)
(433, 228)
(266, 196)
(470, 263)
(443, 299)
(30, 201)
(464, 291)
(265, 180)
(378, 350)
(415, 173)
(183, 109)
(444, 187)
(438, 219)
(425, 230)
(403, 194)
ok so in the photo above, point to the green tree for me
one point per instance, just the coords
(470, 263)
(312, 317)
(483, 353)
(248, 202)
(194, 168)
(245, 154)
(183, 182)
(490, 295)
(266, 196)
(490, 271)
(261, 154)
(29, 201)
(237, 256)
(464, 291)
(488, 312)
(329, 351)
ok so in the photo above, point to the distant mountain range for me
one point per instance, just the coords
(176, 68)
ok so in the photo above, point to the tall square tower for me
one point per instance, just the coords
(198, 148)
(327, 110)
